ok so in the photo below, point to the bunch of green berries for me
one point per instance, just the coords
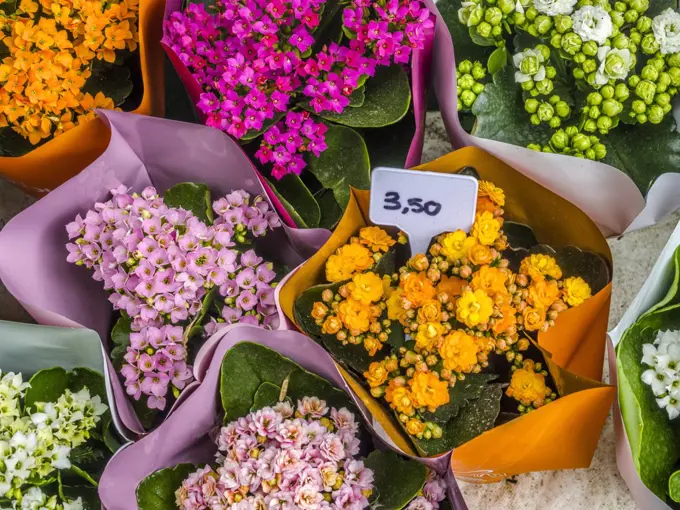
(572, 142)
(552, 112)
(469, 78)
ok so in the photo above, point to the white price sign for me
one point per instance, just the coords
(422, 204)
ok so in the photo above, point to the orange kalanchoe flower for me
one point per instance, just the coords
(52, 48)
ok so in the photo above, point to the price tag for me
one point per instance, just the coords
(422, 204)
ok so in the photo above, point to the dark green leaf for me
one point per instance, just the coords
(84, 475)
(120, 336)
(9, 6)
(46, 386)
(397, 480)
(252, 134)
(110, 79)
(672, 274)
(470, 388)
(343, 164)
(654, 440)
(501, 116)
(357, 97)
(87, 494)
(147, 416)
(266, 395)
(111, 439)
(472, 420)
(157, 491)
(299, 222)
(524, 41)
(85, 455)
(645, 151)
(389, 146)
(388, 97)
(330, 210)
(209, 4)
(12, 144)
(193, 197)
(306, 384)
(478, 39)
(497, 60)
(656, 7)
(296, 194)
(674, 486)
(463, 45)
(178, 104)
(519, 235)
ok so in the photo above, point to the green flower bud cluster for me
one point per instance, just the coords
(487, 16)
(603, 107)
(551, 112)
(628, 11)
(469, 78)
(653, 89)
(572, 142)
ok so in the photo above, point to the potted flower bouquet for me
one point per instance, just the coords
(154, 272)
(471, 345)
(644, 362)
(57, 433)
(317, 92)
(266, 429)
(82, 56)
(593, 80)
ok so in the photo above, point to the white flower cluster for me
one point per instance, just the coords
(592, 23)
(664, 376)
(666, 28)
(36, 499)
(34, 445)
(554, 7)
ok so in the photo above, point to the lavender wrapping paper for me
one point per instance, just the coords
(420, 79)
(142, 151)
(184, 436)
(603, 192)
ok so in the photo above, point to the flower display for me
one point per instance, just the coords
(172, 273)
(273, 73)
(59, 57)
(41, 439)
(291, 450)
(446, 319)
(663, 359)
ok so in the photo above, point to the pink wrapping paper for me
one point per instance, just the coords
(184, 436)
(142, 151)
(603, 192)
(420, 73)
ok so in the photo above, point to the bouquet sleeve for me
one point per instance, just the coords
(142, 151)
(602, 191)
(184, 436)
(53, 163)
(570, 427)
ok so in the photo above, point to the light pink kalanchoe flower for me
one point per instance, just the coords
(270, 459)
(159, 263)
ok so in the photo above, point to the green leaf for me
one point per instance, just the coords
(671, 297)
(157, 491)
(389, 146)
(246, 366)
(388, 97)
(343, 164)
(192, 197)
(178, 104)
(266, 395)
(357, 97)
(120, 336)
(644, 152)
(654, 440)
(397, 480)
(330, 210)
(147, 416)
(497, 60)
(478, 39)
(674, 486)
(88, 495)
(9, 6)
(472, 420)
(287, 206)
(111, 79)
(463, 45)
(111, 439)
(298, 196)
(470, 388)
(501, 116)
(83, 474)
(519, 235)
(656, 7)
(46, 386)
(252, 134)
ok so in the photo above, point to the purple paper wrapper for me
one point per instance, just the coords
(143, 151)
(184, 436)
(420, 78)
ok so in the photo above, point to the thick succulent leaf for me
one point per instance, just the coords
(192, 197)
(674, 486)
(671, 297)
(157, 491)
(120, 336)
(110, 79)
(299, 198)
(343, 164)
(470, 388)
(656, 7)
(178, 104)
(519, 235)
(397, 480)
(497, 60)
(654, 440)
(46, 386)
(644, 152)
(266, 395)
(387, 99)
(389, 146)
(330, 210)
(501, 116)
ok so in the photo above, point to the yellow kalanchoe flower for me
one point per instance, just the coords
(428, 335)
(400, 398)
(354, 315)
(538, 266)
(527, 386)
(455, 245)
(459, 352)
(576, 291)
(486, 229)
(474, 308)
(376, 239)
(376, 374)
(493, 192)
(417, 289)
(543, 293)
(366, 287)
(347, 261)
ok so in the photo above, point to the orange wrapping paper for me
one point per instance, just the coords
(563, 434)
(53, 163)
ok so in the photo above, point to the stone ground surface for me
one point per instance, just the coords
(597, 488)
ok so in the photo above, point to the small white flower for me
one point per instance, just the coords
(555, 7)
(529, 65)
(76, 504)
(614, 65)
(666, 27)
(592, 24)
(649, 355)
(657, 380)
